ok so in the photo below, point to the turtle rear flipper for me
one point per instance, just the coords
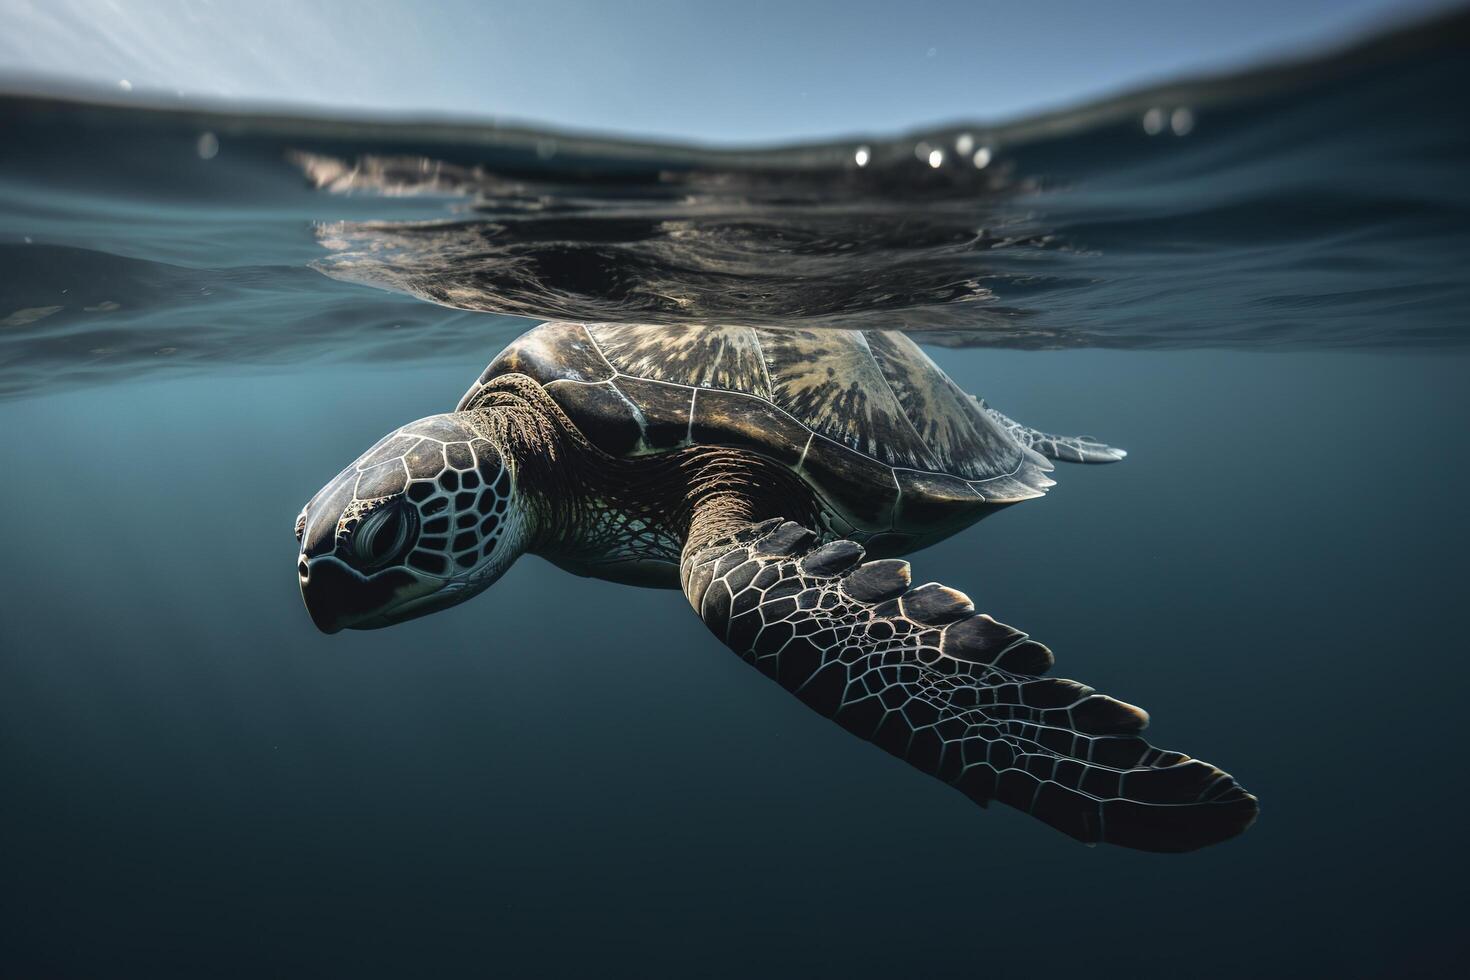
(1068, 449)
(956, 694)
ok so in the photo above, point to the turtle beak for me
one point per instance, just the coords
(321, 594)
(339, 598)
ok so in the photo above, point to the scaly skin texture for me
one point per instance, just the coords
(914, 670)
(956, 694)
(625, 520)
(1068, 449)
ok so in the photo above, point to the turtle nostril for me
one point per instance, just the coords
(301, 569)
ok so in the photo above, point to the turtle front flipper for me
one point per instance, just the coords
(1068, 449)
(918, 672)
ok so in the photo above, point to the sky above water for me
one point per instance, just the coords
(718, 72)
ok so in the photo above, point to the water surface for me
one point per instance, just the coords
(1310, 206)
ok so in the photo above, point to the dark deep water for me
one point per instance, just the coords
(570, 778)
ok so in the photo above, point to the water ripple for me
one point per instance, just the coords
(1314, 205)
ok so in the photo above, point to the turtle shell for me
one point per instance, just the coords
(864, 417)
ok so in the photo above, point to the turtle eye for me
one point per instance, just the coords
(381, 536)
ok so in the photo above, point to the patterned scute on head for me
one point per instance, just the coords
(460, 490)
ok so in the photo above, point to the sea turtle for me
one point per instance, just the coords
(774, 475)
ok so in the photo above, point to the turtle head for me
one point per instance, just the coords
(421, 521)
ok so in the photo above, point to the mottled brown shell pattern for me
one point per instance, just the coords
(864, 416)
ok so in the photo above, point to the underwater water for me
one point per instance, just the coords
(1256, 285)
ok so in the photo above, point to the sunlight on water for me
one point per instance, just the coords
(1282, 220)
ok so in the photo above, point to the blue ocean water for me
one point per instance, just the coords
(1255, 285)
